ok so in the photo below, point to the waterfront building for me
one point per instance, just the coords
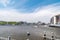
(55, 19)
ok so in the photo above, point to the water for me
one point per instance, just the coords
(20, 32)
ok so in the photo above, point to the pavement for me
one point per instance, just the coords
(36, 32)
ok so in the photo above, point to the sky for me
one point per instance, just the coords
(29, 10)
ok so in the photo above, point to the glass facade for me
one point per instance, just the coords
(55, 19)
(58, 19)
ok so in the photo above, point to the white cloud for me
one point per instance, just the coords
(41, 14)
(44, 14)
(5, 2)
(14, 3)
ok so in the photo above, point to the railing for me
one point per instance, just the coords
(9, 38)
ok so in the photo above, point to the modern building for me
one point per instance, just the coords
(55, 19)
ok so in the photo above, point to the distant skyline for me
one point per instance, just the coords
(28, 10)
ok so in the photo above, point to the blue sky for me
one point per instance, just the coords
(37, 10)
(26, 5)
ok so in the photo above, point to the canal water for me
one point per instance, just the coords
(36, 33)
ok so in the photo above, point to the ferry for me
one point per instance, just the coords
(54, 25)
(55, 21)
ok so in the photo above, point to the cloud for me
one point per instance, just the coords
(40, 14)
(16, 4)
(5, 2)
(45, 13)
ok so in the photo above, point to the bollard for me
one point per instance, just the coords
(27, 39)
(28, 34)
(44, 35)
(9, 38)
(52, 37)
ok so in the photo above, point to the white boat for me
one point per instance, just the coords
(54, 25)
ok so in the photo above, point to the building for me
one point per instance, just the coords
(55, 19)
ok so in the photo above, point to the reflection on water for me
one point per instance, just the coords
(20, 32)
